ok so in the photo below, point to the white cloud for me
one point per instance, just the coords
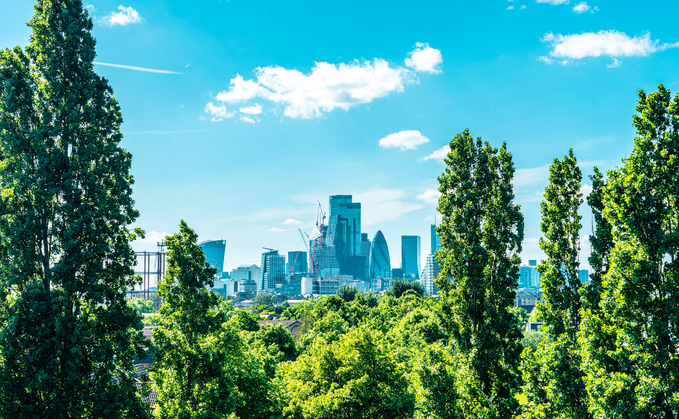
(424, 59)
(615, 64)
(510, 7)
(241, 91)
(406, 140)
(218, 112)
(131, 67)
(585, 190)
(292, 221)
(430, 196)
(150, 242)
(328, 86)
(523, 6)
(608, 43)
(249, 119)
(553, 2)
(255, 109)
(439, 154)
(126, 16)
(276, 229)
(581, 8)
(383, 205)
(526, 177)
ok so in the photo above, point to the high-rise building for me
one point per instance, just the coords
(435, 240)
(345, 234)
(410, 256)
(380, 264)
(429, 274)
(214, 254)
(583, 274)
(396, 273)
(297, 263)
(272, 273)
(365, 253)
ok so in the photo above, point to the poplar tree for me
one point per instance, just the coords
(630, 342)
(481, 232)
(68, 339)
(194, 371)
(554, 386)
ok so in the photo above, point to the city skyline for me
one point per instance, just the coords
(240, 116)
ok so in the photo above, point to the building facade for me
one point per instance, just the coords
(410, 257)
(429, 274)
(214, 254)
(272, 272)
(380, 264)
(345, 234)
(297, 263)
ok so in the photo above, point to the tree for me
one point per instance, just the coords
(347, 293)
(554, 385)
(481, 233)
(69, 338)
(630, 340)
(354, 377)
(194, 364)
(400, 286)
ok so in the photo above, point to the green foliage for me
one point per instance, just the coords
(629, 340)
(436, 384)
(481, 233)
(278, 341)
(152, 320)
(142, 305)
(245, 321)
(531, 339)
(193, 357)
(554, 385)
(264, 299)
(521, 316)
(347, 293)
(401, 286)
(351, 378)
(69, 339)
(601, 241)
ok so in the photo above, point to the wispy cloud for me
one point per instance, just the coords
(131, 67)
(603, 43)
(276, 229)
(585, 190)
(553, 2)
(383, 205)
(126, 16)
(531, 176)
(615, 64)
(405, 140)
(248, 119)
(510, 7)
(255, 109)
(424, 59)
(438, 155)
(328, 86)
(430, 196)
(292, 221)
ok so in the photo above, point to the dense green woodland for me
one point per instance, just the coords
(69, 335)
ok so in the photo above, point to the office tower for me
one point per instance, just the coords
(297, 263)
(435, 240)
(532, 263)
(365, 253)
(345, 234)
(380, 265)
(214, 254)
(429, 274)
(272, 273)
(583, 274)
(410, 256)
(396, 273)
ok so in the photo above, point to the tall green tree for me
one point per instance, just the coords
(554, 385)
(194, 371)
(481, 232)
(630, 342)
(69, 337)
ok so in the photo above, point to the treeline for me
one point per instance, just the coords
(69, 336)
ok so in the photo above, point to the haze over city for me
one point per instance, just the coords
(241, 116)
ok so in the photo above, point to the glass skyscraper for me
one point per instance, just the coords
(380, 265)
(297, 263)
(214, 254)
(410, 256)
(435, 240)
(272, 272)
(345, 234)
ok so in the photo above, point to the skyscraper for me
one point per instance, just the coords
(410, 256)
(380, 265)
(214, 254)
(435, 240)
(429, 274)
(345, 234)
(297, 263)
(272, 272)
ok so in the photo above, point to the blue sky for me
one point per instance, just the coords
(256, 110)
